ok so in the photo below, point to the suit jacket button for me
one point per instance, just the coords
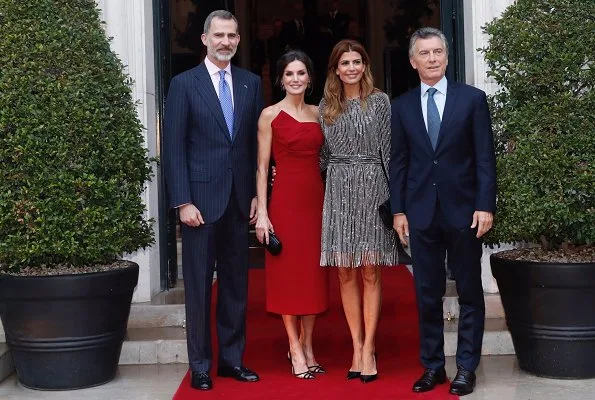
(435, 161)
(433, 183)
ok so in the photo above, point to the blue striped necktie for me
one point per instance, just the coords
(225, 100)
(433, 118)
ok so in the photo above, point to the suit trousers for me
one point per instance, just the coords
(428, 250)
(222, 245)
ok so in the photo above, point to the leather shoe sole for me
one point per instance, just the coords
(460, 391)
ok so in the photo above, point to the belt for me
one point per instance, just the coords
(354, 159)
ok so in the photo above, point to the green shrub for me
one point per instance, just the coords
(542, 55)
(72, 155)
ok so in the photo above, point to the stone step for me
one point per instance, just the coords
(6, 364)
(167, 308)
(168, 345)
(496, 338)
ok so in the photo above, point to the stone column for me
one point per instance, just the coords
(244, 16)
(477, 14)
(375, 41)
(130, 24)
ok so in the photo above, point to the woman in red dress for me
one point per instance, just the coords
(296, 285)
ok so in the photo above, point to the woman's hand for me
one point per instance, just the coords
(263, 226)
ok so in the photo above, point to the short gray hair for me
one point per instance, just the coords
(223, 14)
(426, 33)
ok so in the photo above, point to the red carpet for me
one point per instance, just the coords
(266, 349)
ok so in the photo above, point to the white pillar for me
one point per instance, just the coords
(130, 24)
(477, 14)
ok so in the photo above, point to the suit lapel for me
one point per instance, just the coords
(207, 91)
(240, 89)
(449, 107)
(419, 116)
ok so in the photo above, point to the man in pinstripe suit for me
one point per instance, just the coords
(209, 158)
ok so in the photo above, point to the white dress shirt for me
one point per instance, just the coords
(215, 77)
(439, 98)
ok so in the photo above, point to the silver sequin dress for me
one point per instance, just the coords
(355, 155)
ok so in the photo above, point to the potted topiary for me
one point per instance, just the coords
(73, 167)
(540, 52)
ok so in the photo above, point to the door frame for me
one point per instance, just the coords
(452, 24)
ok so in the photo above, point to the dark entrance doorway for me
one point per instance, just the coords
(270, 27)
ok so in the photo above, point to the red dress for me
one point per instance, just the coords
(296, 284)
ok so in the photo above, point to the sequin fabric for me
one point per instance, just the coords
(355, 156)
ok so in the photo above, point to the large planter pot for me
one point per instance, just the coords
(549, 312)
(66, 331)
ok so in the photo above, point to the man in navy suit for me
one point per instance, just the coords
(443, 196)
(209, 158)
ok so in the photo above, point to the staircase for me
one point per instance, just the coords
(156, 333)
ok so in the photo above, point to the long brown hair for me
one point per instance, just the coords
(334, 94)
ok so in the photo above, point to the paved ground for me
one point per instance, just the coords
(499, 378)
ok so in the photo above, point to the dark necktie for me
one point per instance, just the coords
(433, 118)
(225, 100)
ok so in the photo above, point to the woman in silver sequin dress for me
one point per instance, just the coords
(355, 118)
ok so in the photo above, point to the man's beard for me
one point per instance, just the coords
(224, 57)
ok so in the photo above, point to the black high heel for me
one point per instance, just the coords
(369, 378)
(317, 369)
(302, 375)
(353, 374)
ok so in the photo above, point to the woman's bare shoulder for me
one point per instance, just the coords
(270, 113)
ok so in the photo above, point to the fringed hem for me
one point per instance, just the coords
(359, 259)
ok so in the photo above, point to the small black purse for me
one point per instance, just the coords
(385, 215)
(274, 247)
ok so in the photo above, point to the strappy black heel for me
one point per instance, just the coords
(317, 369)
(302, 375)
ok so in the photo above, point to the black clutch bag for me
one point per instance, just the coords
(274, 247)
(385, 215)
(387, 220)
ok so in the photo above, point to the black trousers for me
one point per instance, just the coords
(222, 245)
(428, 250)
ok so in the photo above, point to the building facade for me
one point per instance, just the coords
(136, 28)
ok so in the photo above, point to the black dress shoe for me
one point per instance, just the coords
(429, 379)
(353, 374)
(463, 383)
(201, 381)
(239, 373)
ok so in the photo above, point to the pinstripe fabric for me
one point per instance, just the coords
(207, 167)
